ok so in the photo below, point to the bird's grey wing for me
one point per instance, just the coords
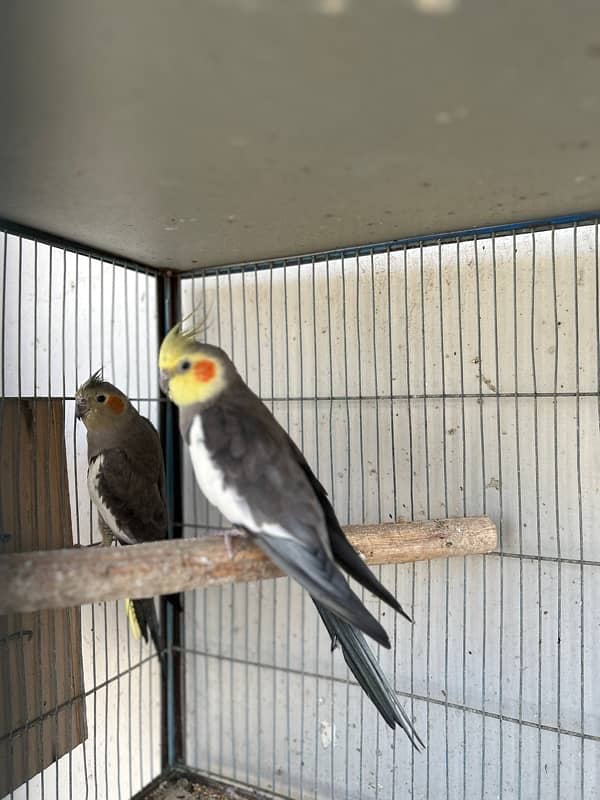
(254, 455)
(250, 449)
(342, 550)
(323, 581)
(134, 501)
(151, 442)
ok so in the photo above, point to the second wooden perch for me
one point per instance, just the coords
(75, 576)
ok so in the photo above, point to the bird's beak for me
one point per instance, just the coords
(163, 380)
(81, 407)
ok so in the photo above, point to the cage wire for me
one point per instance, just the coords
(64, 315)
(447, 377)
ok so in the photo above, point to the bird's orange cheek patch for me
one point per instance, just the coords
(205, 370)
(116, 404)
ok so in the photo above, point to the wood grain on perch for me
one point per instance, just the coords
(75, 576)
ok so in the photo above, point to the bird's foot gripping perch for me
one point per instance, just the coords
(228, 534)
(107, 536)
(106, 541)
(102, 543)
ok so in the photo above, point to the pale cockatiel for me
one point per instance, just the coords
(126, 481)
(249, 468)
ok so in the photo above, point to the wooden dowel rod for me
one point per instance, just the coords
(75, 576)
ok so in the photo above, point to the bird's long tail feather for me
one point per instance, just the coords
(365, 668)
(143, 620)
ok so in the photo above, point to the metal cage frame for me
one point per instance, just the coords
(169, 302)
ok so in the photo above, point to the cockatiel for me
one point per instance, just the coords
(250, 469)
(126, 481)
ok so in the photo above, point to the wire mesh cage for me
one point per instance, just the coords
(65, 314)
(442, 377)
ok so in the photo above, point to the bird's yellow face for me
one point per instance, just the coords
(189, 372)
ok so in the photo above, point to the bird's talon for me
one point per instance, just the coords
(228, 534)
(85, 546)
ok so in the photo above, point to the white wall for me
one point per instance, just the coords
(65, 316)
(504, 650)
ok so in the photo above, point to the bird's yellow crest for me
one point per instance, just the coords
(175, 345)
(178, 342)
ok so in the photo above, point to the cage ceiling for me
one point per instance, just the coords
(181, 134)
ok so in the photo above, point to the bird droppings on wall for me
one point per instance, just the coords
(326, 734)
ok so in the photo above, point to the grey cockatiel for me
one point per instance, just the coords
(126, 481)
(250, 469)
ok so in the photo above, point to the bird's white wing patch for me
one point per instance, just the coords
(93, 477)
(211, 481)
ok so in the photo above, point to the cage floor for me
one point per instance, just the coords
(183, 785)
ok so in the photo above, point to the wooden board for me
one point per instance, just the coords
(42, 711)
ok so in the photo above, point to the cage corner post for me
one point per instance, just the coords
(172, 616)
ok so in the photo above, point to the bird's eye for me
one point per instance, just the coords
(185, 365)
(100, 398)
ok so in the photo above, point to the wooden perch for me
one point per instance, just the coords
(73, 577)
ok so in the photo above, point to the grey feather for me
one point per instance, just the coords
(365, 668)
(262, 466)
(147, 618)
(321, 578)
(257, 461)
(132, 481)
(130, 488)
(136, 502)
